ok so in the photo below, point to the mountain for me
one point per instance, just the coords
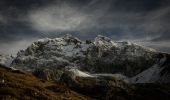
(48, 58)
(99, 69)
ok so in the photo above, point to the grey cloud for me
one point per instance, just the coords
(14, 47)
(160, 46)
(144, 20)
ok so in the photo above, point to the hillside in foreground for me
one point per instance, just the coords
(18, 85)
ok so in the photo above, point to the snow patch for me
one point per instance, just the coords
(80, 73)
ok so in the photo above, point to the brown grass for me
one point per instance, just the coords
(19, 85)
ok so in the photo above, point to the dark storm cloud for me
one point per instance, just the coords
(142, 21)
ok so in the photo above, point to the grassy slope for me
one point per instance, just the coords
(19, 85)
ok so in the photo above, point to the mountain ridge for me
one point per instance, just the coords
(103, 55)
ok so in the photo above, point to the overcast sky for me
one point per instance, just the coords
(146, 22)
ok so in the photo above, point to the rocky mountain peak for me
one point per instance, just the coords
(102, 40)
(71, 39)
